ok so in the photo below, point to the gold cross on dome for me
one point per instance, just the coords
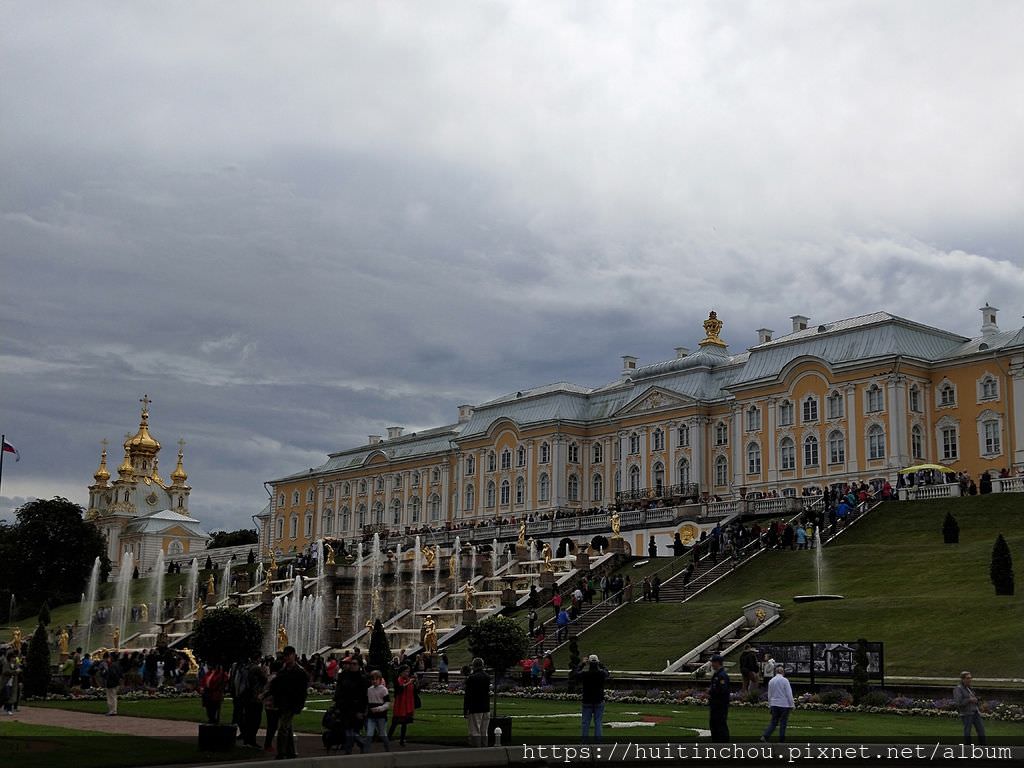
(104, 443)
(145, 403)
(181, 445)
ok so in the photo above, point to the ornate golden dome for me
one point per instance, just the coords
(102, 474)
(142, 442)
(126, 471)
(178, 476)
(156, 474)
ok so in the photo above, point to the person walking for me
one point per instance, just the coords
(212, 688)
(442, 669)
(288, 690)
(405, 703)
(749, 669)
(966, 701)
(563, 626)
(780, 703)
(476, 703)
(273, 717)
(351, 702)
(112, 675)
(718, 701)
(656, 588)
(591, 677)
(378, 703)
(248, 700)
(8, 670)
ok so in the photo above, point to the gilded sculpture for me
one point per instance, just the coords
(282, 637)
(521, 541)
(468, 592)
(616, 525)
(329, 550)
(429, 555)
(428, 635)
(712, 329)
(62, 641)
(549, 567)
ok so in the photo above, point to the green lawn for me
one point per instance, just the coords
(42, 746)
(931, 604)
(551, 722)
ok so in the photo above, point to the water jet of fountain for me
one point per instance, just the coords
(122, 594)
(225, 582)
(456, 570)
(494, 557)
(417, 568)
(357, 610)
(192, 585)
(157, 595)
(88, 605)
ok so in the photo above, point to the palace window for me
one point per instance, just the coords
(659, 439)
(295, 497)
(618, 450)
(521, 456)
(684, 471)
(545, 453)
(988, 388)
(294, 527)
(362, 486)
(618, 481)
(785, 413)
(834, 405)
(876, 442)
(947, 395)
(915, 399)
(659, 477)
(949, 443)
(721, 433)
(379, 483)
(435, 476)
(378, 512)
(991, 437)
(490, 493)
(916, 442)
(330, 491)
(469, 498)
(492, 461)
(597, 488)
(396, 512)
(398, 481)
(721, 471)
(574, 488)
(310, 496)
(346, 520)
(520, 491)
(874, 398)
(181, 502)
(280, 500)
(280, 528)
(634, 478)
(414, 509)
(327, 522)
(753, 418)
(361, 516)
(787, 454)
(684, 436)
(836, 447)
(415, 479)
(435, 507)
(753, 459)
(506, 459)
(596, 453)
(544, 487)
(506, 493)
(810, 451)
(574, 453)
(470, 465)
(634, 443)
(309, 526)
(810, 409)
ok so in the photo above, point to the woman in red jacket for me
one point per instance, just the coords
(405, 703)
(212, 688)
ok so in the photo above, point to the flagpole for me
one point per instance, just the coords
(3, 442)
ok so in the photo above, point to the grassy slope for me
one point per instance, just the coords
(931, 604)
(440, 722)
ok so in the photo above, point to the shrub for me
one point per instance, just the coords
(1001, 569)
(37, 665)
(227, 635)
(875, 699)
(950, 530)
(835, 696)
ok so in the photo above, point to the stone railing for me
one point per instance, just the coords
(928, 492)
(1008, 484)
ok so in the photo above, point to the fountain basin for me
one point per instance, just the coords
(815, 598)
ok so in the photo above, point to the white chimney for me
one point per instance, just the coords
(628, 366)
(375, 439)
(764, 335)
(682, 352)
(988, 320)
(394, 432)
(465, 413)
(799, 322)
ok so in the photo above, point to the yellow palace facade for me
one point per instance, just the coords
(854, 399)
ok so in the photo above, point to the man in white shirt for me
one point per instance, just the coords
(780, 701)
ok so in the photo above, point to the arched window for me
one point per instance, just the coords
(521, 456)
(618, 481)
(836, 447)
(295, 497)
(435, 507)
(753, 418)
(361, 516)
(634, 478)
(435, 476)
(346, 520)
(545, 453)
(597, 488)
(490, 493)
(378, 512)
(634, 443)
(596, 453)
(991, 437)
(574, 488)
(379, 483)
(330, 491)
(874, 398)
(506, 492)
(327, 523)
(520, 491)
(658, 438)
(310, 496)
(659, 477)
(545, 487)
(280, 500)
(684, 471)
(876, 442)
(787, 454)
(415, 479)
(470, 465)
(721, 433)
(506, 459)
(176, 548)
(810, 451)
(785, 413)
(469, 498)
(721, 471)
(396, 511)
(362, 486)
(346, 488)
(492, 461)
(834, 404)
(917, 442)
(947, 394)
(309, 526)
(753, 459)
(414, 509)
(181, 502)
(810, 409)
(280, 528)
(684, 436)
(988, 389)
(574, 453)
(915, 399)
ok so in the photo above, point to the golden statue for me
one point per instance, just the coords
(429, 554)
(616, 525)
(451, 564)
(467, 593)
(428, 636)
(144, 612)
(193, 665)
(549, 567)
(16, 638)
(62, 641)
(267, 586)
(712, 327)
(521, 541)
(116, 638)
(200, 609)
(282, 637)
(330, 554)
(211, 588)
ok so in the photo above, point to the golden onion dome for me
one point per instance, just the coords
(178, 476)
(126, 470)
(142, 441)
(156, 474)
(102, 474)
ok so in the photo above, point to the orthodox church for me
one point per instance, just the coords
(140, 513)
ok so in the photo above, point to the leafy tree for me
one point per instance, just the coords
(1001, 569)
(500, 642)
(950, 530)
(48, 553)
(860, 671)
(233, 538)
(37, 664)
(227, 635)
(599, 543)
(379, 655)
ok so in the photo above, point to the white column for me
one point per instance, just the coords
(529, 475)
(645, 446)
(1015, 425)
(899, 453)
(736, 427)
(854, 438)
(672, 470)
(698, 448)
(769, 446)
(558, 484)
(609, 472)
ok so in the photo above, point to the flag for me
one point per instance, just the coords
(9, 448)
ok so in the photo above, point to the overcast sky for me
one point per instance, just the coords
(295, 224)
